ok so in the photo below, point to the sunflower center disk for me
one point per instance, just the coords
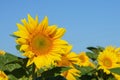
(107, 62)
(82, 59)
(41, 44)
(64, 62)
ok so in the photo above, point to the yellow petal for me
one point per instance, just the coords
(51, 30)
(39, 62)
(60, 32)
(21, 27)
(29, 54)
(26, 25)
(60, 41)
(3, 76)
(44, 24)
(69, 48)
(21, 41)
(30, 19)
(36, 19)
(21, 34)
(23, 47)
(30, 61)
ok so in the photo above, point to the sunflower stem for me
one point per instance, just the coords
(34, 75)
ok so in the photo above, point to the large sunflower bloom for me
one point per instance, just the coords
(39, 42)
(107, 59)
(69, 59)
(3, 76)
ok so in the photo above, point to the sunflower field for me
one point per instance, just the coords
(46, 56)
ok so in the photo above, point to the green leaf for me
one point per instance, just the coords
(14, 67)
(20, 61)
(93, 49)
(100, 48)
(115, 70)
(18, 72)
(14, 35)
(59, 77)
(54, 72)
(85, 70)
(64, 68)
(6, 59)
(111, 78)
(96, 50)
(18, 47)
(91, 55)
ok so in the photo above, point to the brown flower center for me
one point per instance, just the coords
(41, 44)
(107, 62)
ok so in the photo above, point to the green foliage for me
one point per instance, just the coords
(54, 73)
(96, 50)
(18, 47)
(115, 70)
(84, 70)
(59, 77)
(93, 73)
(92, 55)
(14, 66)
(4, 59)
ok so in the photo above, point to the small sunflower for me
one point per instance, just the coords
(69, 59)
(84, 59)
(41, 43)
(2, 52)
(107, 59)
(3, 76)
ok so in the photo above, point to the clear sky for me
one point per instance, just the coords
(88, 22)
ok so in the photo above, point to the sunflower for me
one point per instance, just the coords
(69, 59)
(107, 59)
(3, 76)
(41, 43)
(2, 52)
(84, 59)
(71, 74)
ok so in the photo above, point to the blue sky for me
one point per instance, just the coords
(88, 22)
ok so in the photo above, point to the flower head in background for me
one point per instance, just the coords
(108, 59)
(41, 43)
(68, 60)
(71, 74)
(3, 76)
(84, 59)
(2, 52)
